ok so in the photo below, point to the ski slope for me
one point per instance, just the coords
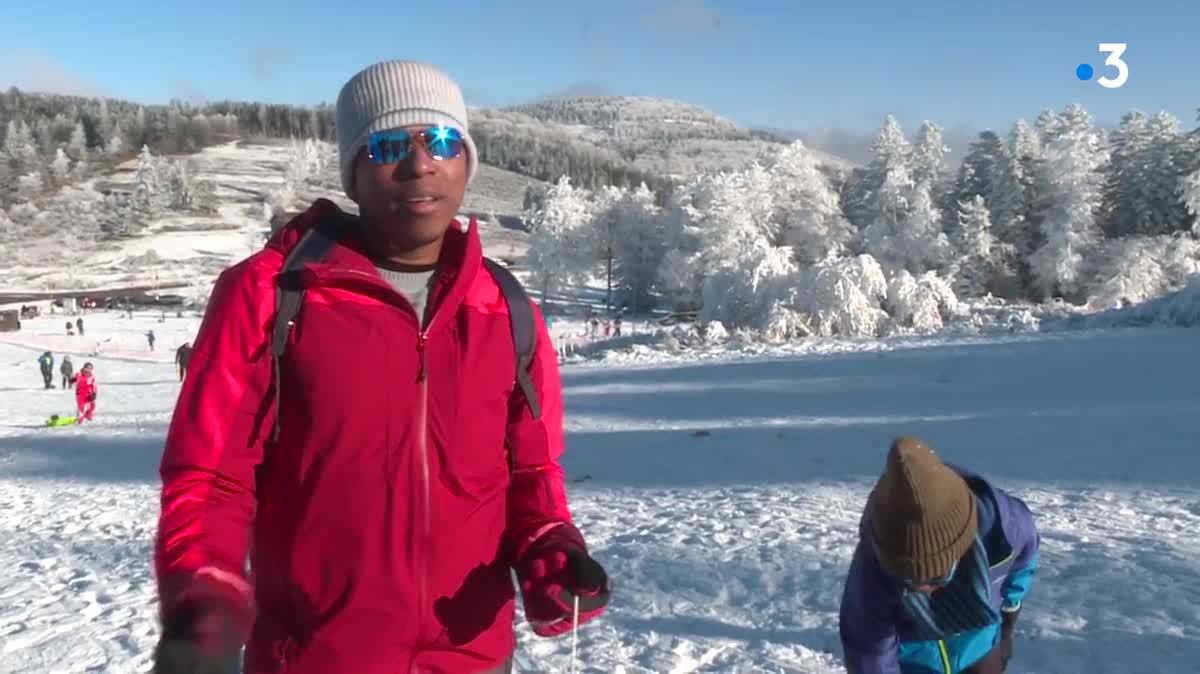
(722, 496)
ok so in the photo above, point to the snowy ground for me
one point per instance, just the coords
(727, 549)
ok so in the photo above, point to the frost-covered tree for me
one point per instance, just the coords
(603, 233)
(1070, 231)
(1138, 268)
(808, 207)
(889, 166)
(707, 221)
(843, 296)
(60, 168)
(978, 173)
(151, 195)
(185, 192)
(639, 247)
(889, 208)
(976, 248)
(77, 145)
(1189, 192)
(20, 147)
(555, 255)
(929, 159)
(753, 288)
(920, 303)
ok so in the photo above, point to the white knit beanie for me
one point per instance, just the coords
(392, 94)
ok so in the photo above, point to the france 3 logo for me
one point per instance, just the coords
(1114, 50)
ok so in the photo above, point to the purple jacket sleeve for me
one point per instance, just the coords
(867, 621)
(1022, 534)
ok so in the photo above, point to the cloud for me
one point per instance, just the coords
(35, 72)
(188, 92)
(265, 62)
(688, 16)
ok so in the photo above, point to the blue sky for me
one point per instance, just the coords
(796, 65)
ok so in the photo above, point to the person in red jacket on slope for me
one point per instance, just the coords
(85, 393)
(380, 521)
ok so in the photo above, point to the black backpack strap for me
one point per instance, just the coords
(524, 329)
(289, 290)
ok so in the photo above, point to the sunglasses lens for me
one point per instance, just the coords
(444, 142)
(388, 147)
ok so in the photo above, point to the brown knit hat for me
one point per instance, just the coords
(922, 513)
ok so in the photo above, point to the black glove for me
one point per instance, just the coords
(205, 622)
(199, 637)
(1008, 625)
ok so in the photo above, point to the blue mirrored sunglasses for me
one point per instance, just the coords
(394, 145)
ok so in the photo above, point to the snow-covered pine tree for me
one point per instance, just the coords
(20, 147)
(151, 195)
(1125, 175)
(977, 175)
(1074, 157)
(929, 159)
(889, 209)
(976, 249)
(60, 167)
(77, 146)
(890, 153)
(1165, 164)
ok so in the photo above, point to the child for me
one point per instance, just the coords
(943, 562)
(85, 393)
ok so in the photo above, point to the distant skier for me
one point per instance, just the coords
(46, 362)
(67, 369)
(70, 329)
(79, 324)
(943, 562)
(182, 355)
(617, 326)
(85, 393)
(150, 339)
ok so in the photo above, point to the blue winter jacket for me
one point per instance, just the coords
(880, 637)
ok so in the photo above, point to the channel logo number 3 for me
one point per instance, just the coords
(1114, 51)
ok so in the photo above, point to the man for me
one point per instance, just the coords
(182, 355)
(85, 393)
(67, 369)
(385, 473)
(46, 363)
(943, 563)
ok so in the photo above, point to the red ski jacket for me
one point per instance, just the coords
(85, 387)
(407, 476)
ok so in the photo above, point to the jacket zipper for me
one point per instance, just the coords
(423, 447)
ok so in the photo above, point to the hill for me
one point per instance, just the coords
(620, 139)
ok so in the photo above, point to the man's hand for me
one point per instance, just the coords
(554, 574)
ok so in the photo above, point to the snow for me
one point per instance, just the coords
(722, 496)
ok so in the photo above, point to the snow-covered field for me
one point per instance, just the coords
(727, 547)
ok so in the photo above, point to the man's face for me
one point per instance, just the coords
(409, 203)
